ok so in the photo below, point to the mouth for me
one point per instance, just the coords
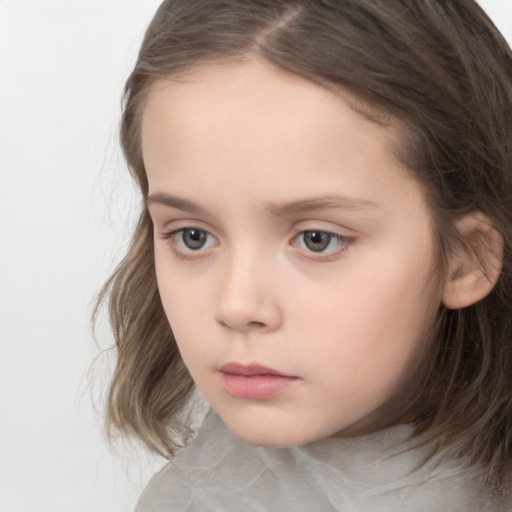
(254, 381)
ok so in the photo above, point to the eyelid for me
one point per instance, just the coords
(170, 227)
(345, 241)
(184, 252)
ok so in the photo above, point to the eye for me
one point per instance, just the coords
(321, 241)
(187, 240)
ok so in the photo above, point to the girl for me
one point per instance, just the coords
(324, 252)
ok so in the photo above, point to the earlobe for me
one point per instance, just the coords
(475, 263)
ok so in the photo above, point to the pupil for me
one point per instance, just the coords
(316, 240)
(194, 238)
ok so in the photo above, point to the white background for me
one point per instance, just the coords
(65, 209)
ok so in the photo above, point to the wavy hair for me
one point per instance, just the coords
(444, 72)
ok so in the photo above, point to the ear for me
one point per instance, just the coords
(475, 263)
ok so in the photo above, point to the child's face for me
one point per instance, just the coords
(298, 245)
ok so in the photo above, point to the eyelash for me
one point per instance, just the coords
(344, 244)
(185, 252)
(188, 253)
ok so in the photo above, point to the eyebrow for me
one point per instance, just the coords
(174, 202)
(280, 209)
(319, 203)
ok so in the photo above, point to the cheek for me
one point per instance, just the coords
(186, 315)
(185, 300)
(370, 325)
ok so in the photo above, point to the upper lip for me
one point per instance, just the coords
(251, 369)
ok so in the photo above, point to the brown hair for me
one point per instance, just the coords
(439, 67)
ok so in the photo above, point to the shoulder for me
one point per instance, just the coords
(376, 473)
(159, 495)
(217, 471)
(172, 488)
(207, 467)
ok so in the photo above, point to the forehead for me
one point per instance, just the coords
(255, 128)
(224, 96)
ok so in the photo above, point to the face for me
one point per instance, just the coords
(294, 255)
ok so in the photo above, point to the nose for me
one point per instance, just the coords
(247, 298)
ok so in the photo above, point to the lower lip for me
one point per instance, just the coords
(256, 387)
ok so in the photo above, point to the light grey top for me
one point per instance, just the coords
(379, 472)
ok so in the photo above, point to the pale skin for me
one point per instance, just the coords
(286, 235)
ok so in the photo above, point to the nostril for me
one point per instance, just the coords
(248, 325)
(256, 325)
